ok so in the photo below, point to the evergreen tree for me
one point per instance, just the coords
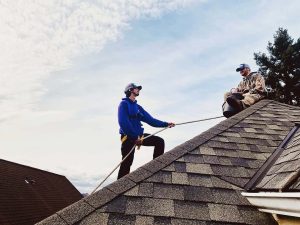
(281, 68)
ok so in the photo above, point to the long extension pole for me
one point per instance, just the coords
(177, 124)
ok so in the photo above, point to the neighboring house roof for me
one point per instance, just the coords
(28, 195)
(198, 182)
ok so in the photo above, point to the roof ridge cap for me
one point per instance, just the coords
(287, 105)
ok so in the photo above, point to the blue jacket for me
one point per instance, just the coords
(130, 115)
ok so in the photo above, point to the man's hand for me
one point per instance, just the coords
(171, 124)
(138, 142)
(234, 90)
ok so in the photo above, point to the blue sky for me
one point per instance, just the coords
(64, 66)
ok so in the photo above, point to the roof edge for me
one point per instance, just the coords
(113, 190)
(276, 203)
(34, 168)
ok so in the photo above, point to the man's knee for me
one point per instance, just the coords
(250, 99)
(159, 147)
(226, 95)
(160, 142)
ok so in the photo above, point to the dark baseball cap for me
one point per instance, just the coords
(242, 66)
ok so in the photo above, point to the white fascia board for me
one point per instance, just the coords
(276, 202)
(278, 212)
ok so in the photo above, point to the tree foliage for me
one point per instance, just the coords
(281, 68)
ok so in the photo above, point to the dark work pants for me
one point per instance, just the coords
(157, 142)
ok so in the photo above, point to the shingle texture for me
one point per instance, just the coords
(284, 173)
(28, 195)
(200, 181)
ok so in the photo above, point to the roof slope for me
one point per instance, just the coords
(198, 182)
(284, 173)
(28, 195)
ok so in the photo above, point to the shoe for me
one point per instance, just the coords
(235, 103)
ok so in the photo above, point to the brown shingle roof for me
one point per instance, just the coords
(198, 182)
(28, 195)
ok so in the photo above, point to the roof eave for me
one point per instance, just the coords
(280, 203)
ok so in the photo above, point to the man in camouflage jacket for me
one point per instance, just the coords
(252, 87)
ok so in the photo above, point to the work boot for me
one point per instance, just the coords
(235, 103)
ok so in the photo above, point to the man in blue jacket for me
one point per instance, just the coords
(130, 115)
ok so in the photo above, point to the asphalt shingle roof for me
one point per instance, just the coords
(198, 182)
(284, 173)
(28, 195)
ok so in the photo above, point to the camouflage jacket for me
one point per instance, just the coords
(254, 83)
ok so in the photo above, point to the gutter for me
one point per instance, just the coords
(280, 203)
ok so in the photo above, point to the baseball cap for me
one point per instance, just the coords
(242, 66)
(132, 86)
